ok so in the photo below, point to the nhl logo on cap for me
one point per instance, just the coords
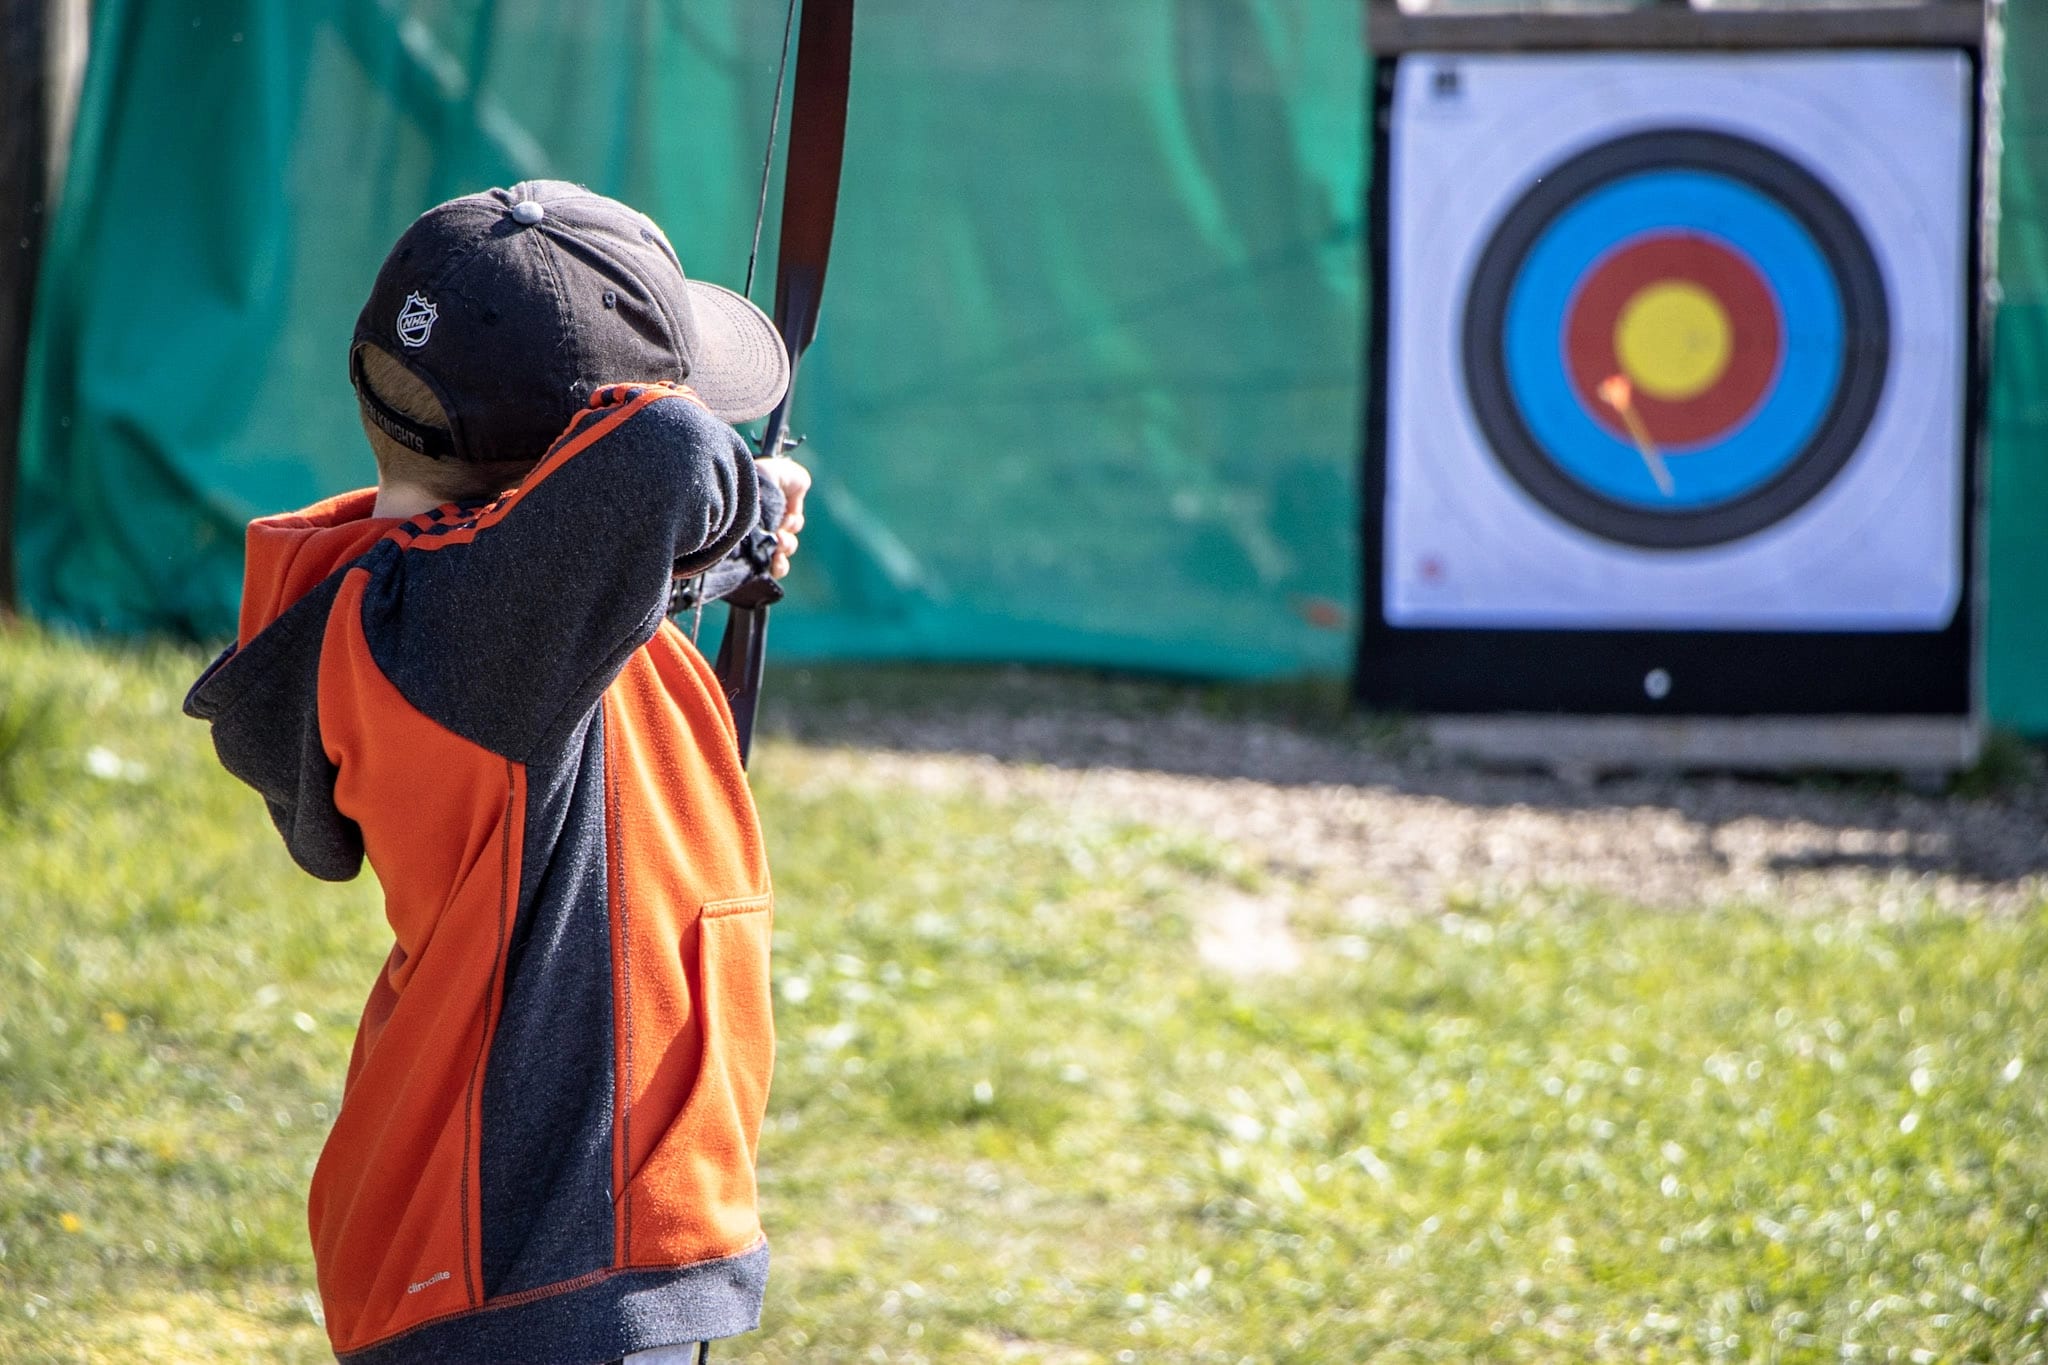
(416, 320)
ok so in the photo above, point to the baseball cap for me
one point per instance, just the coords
(512, 306)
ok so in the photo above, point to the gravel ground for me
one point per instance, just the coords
(1383, 834)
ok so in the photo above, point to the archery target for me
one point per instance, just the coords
(1658, 339)
(1677, 341)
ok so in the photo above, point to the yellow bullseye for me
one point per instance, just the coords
(1674, 340)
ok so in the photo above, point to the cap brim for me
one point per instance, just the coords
(740, 368)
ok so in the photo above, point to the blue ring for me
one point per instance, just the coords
(1795, 271)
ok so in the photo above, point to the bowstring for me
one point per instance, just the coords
(760, 217)
(768, 159)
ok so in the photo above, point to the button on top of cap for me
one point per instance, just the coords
(526, 213)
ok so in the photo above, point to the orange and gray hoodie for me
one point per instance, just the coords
(545, 1150)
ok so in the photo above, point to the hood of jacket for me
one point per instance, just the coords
(261, 695)
(288, 555)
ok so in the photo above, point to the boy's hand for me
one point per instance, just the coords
(794, 481)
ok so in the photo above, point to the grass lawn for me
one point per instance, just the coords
(1015, 1119)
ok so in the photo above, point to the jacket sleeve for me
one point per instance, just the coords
(750, 560)
(507, 626)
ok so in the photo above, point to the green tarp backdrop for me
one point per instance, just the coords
(1090, 381)
(1087, 384)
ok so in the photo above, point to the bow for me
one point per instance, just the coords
(810, 200)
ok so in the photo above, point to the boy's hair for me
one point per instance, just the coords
(446, 480)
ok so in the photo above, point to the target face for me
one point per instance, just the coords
(1676, 338)
(1675, 341)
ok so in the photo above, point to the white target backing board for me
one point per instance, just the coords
(1677, 342)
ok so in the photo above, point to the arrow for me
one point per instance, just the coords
(1617, 393)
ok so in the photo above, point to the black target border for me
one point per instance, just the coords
(1866, 321)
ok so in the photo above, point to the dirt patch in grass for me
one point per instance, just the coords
(1392, 830)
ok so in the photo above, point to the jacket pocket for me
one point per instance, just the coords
(693, 1198)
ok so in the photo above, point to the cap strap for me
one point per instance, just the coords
(433, 442)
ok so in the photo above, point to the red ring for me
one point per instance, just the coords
(1756, 349)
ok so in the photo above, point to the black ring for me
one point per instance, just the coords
(1866, 339)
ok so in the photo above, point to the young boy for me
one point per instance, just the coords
(544, 1152)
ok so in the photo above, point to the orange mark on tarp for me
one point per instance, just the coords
(1323, 613)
